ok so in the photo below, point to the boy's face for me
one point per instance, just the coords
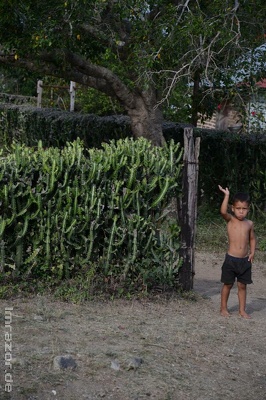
(240, 209)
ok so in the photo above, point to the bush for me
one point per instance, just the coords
(29, 125)
(70, 211)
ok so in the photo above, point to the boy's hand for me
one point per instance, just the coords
(225, 191)
(251, 257)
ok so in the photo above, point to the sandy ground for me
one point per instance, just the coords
(175, 349)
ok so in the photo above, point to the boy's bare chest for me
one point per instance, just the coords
(238, 228)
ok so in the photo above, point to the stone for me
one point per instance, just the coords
(134, 363)
(64, 362)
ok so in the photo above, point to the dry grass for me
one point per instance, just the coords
(189, 351)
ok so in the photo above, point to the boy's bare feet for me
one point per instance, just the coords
(225, 313)
(244, 315)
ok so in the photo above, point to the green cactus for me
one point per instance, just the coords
(2, 255)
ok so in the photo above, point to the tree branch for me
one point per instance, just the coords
(77, 69)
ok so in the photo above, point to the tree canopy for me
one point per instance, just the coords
(134, 51)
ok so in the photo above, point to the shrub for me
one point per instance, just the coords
(69, 211)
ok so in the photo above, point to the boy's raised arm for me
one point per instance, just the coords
(224, 206)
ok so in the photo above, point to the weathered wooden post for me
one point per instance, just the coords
(72, 92)
(188, 209)
(39, 93)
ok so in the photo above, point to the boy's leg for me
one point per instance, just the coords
(242, 296)
(224, 299)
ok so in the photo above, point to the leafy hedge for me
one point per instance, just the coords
(97, 212)
(237, 161)
(232, 160)
(29, 125)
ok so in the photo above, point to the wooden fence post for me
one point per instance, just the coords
(72, 91)
(39, 93)
(188, 209)
(72, 95)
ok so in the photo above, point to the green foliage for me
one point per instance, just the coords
(18, 82)
(130, 49)
(98, 213)
(29, 125)
(233, 160)
(92, 102)
(179, 104)
(237, 161)
(81, 288)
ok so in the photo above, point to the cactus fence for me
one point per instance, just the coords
(96, 212)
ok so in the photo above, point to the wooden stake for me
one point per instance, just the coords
(188, 209)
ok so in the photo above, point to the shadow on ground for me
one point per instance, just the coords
(207, 288)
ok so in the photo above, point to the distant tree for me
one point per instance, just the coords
(134, 51)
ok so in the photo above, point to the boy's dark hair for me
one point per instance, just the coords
(241, 196)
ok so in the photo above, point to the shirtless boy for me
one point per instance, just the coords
(240, 253)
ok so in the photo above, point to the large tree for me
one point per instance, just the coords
(132, 50)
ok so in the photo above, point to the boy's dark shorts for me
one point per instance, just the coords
(236, 268)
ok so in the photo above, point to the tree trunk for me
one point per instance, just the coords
(189, 209)
(146, 119)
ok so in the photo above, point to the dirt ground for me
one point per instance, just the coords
(175, 349)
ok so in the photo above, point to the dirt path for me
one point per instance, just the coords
(188, 351)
